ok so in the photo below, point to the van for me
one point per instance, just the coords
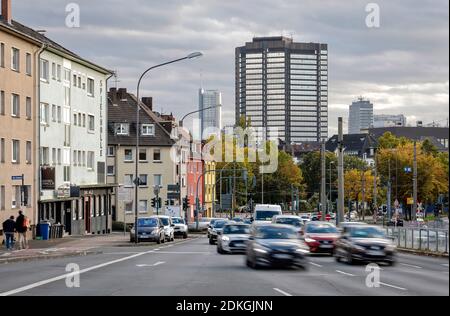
(265, 212)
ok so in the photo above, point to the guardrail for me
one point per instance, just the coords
(422, 239)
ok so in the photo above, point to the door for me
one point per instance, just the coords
(68, 221)
(87, 215)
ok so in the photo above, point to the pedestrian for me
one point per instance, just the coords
(9, 226)
(22, 225)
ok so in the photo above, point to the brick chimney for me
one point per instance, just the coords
(6, 11)
(122, 93)
(148, 102)
(112, 95)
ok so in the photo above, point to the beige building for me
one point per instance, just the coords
(209, 184)
(18, 95)
(155, 164)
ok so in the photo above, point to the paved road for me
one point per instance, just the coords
(193, 268)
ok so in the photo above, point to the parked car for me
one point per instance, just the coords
(180, 229)
(216, 231)
(169, 230)
(320, 236)
(202, 224)
(265, 212)
(275, 245)
(365, 243)
(234, 238)
(149, 229)
(292, 220)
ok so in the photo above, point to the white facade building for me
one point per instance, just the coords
(360, 116)
(383, 120)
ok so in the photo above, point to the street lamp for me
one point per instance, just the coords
(137, 180)
(331, 188)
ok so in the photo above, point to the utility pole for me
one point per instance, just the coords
(340, 204)
(414, 207)
(388, 203)
(375, 191)
(262, 187)
(323, 182)
(363, 197)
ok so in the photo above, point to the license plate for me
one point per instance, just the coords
(326, 246)
(239, 245)
(144, 236)
(282, 256)
(375, 253)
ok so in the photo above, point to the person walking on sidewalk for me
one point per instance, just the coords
(22, 224)
(9, 227)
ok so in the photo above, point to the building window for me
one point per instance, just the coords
(84, 120)
(75, 119)
(28, 108)
(90, 87)
(157, 155)
(79, 119)
(157, 179)
(59, 156)
(66, 174)
(54, 156)
(128, 206)
(44, 71)
(143, 180)
(2, 150)
(83, 158)
(143, 206)
(15, 198)
(53, 113)
(74, 80)
(15, 59)
(2, 198)
(91, 123)
(59, 114)
(2, 102)
(28, 64)
(44, 114)
(128, 155)
(79, 158)
(28, 152)
(15, 153)
(122, 129)
(142, 154)
(148, 130)
(2, 55)
(111, 151)
(79, 82)
(90, 160)
(110, 170)
(53, 71)
(58, 72)
(15, 105)
(45, 156)
(128, 181)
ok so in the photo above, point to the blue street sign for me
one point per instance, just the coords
(408, 169)
(14, 178)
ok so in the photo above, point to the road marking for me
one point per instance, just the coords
(120, 253)
(282, 292)
(345, 273)
(150, 265)
(393, 286)
(315, 264)
(410, 266)
(184, 252)
(445, 265)
(159, 263)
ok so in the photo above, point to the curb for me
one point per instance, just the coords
(423, 253)
(45, 257)
(154, 244)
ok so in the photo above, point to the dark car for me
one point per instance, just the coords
(365, 244)
(320, 236)
(216, 230)
(396, 222)
(275, 245)
(149, 229)
(234, 238)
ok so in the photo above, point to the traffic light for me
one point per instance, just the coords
(167, 202)
(154, 202)
(159, 202)
(186, 204)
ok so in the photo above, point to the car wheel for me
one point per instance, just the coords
(163, 239)
(211, 241)
(132, 240)
(350, 260)
(185, 236)
(159, 240)
(173, 238)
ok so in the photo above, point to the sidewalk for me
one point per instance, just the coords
(64, 247)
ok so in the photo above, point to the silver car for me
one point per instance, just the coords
(234, 238)
(169, 230)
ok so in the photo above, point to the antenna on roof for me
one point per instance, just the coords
(116, 81)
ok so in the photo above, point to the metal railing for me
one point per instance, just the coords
(422, 239)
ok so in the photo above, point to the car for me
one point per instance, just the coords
(292, 220)
(320, 237)
(202, 224)
(396, 222)
(275, 245)
(316, 217)
(343, 225)
(305, 218)
(180, 229)
(237, 219)
(234, 238)
(169, 230)
(148, 229)
(265, 212)
(247, 221)
(365, 243)
(216, 231)
(210, 225)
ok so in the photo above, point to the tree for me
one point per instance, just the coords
(311, 170)
(353, 162)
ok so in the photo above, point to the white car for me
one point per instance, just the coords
(180, 229)
(265, 212)
(169, 230)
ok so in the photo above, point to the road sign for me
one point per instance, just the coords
(328, 217)
(17, 178)
(408, 169)
(410, 201)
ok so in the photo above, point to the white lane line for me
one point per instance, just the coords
(393, 286)
(345, 273)
(410, 266)
(159, 263)
(315, 264)
(184, 252)
(121, 253)
(150, 265)
(282, 292)
(445, 265)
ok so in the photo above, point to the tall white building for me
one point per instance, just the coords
(383, 120)
(360, 117)
(211, 119)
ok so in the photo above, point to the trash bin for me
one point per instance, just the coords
(45, 230)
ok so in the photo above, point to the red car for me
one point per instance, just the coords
(320, 237)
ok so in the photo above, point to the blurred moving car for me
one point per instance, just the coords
(291, 220)
(275, 245)
(237, 220)
(305, 218)
(169, 230)
(343, 225)
(180, 229)
(265, 212)
(234, 238)
(211, 224)
(149, 229)
(217, 229)
(320, 237)
(365, 243)
(202, 224)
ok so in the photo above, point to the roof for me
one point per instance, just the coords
(35, 36)
(353, 142)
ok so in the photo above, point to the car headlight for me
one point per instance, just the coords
(260, 249)
(391, 247)
(155, 232)
(302, 250)
(308, 240)
(225, 238)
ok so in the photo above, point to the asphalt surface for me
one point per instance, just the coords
(194, 268)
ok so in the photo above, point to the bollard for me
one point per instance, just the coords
(420, 239)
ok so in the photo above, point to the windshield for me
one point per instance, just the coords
(367, 232)
(270, 232)
(165, 221)
(265, 215)
(290, 221)
(236, 229)
(148, 222)
(177, 220)
(321, 229)
(219, 224)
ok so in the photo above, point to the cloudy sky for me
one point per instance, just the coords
(403, 66)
